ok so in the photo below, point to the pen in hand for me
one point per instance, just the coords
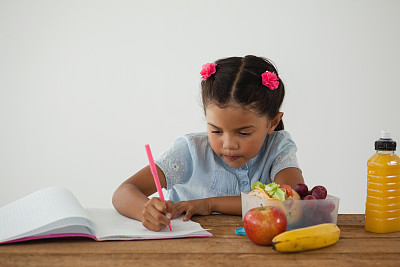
(155, 176)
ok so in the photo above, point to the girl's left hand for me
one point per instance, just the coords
(192, 207)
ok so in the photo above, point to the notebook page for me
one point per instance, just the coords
(110, 225)
(43, 211)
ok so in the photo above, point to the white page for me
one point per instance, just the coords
(42, 211)
(110, 225)
(70, 230)
(55, 210)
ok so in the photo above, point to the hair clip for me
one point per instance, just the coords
(208, 70)
(270, 80)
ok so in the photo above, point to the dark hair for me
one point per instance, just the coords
(237, 80)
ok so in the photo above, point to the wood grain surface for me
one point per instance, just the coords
(356, 247)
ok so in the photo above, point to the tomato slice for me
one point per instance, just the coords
(288, 189)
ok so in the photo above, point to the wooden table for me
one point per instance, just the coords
(356, 247)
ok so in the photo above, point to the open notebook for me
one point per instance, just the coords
(55, 212)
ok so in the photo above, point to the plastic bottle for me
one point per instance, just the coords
(382, 211)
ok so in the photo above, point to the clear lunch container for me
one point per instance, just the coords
(299, 213)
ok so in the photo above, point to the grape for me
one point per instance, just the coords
(321, 218)
(310, 204)
(319, 192)
(301, 189)
(310, 197)
(326, 206)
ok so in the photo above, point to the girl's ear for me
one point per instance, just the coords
(274, 122)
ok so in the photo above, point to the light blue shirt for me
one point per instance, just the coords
(193, 171)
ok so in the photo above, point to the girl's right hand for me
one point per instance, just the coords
(157, 214)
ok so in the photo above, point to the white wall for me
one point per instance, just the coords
(80, 83)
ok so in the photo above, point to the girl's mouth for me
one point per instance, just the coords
(231, 158)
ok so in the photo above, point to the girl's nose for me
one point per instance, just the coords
(230, 143)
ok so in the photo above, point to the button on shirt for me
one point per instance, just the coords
(193, 171)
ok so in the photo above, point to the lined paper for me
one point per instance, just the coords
(110, 225)
(55, 212)
(42, 211)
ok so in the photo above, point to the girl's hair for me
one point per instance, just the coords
(237, 80)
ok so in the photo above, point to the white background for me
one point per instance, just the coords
(84, 85)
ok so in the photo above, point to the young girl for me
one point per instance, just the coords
(245, 142)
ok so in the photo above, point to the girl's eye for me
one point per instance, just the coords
(245, 134)
(215, 132)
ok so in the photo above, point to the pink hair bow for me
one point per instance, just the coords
(207, 70)
(270, 80)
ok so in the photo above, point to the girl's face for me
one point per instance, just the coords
(237, 134)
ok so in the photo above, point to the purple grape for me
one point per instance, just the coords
(310, 197)
(321, 218)
(301, 189)
(319, 192)
(326, 206)
(310, 204)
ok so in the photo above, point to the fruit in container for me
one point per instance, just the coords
(301, 189)
(319, 192)
(310, 197)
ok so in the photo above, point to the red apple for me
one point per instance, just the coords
(262, 224)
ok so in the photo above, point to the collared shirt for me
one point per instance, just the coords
(193, 171)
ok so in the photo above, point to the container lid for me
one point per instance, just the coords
(385, 142)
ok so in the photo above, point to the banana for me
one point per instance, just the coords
(307, 238)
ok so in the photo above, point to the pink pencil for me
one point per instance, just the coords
(155, 176)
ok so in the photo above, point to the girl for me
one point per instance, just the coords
(245, 142)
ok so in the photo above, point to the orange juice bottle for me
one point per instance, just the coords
(382, 211)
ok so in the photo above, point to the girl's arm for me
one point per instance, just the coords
(290, 176)
(231, 204)
(131, 199)
(226, 205)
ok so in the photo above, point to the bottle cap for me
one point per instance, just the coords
(385, 135)
(385, 142)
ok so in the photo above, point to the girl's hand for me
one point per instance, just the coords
(192, 207)
(157, 214)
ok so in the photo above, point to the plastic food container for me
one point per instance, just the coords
(299, 213)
